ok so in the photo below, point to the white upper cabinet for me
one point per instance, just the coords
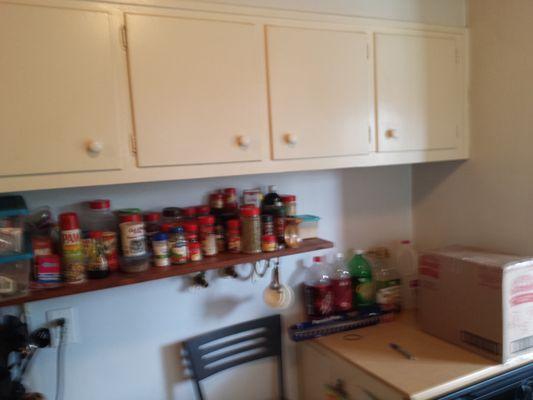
(198, 87)
(58, 98)
(320, 92)
(419, 89)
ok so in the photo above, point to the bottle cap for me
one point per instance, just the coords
(130, 218)
(203, 210)
(359, 252)
(206, 220)
(286, 198)
(160, 237)
(317, 259)
(233, 224)
(96, 234)
(68, 221)
(176, 229)
(232, 191)
(190, 226)
(100, 204)
(189, 212)
(152, 216)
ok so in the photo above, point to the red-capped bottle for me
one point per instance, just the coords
(341, 283)
(318, 293)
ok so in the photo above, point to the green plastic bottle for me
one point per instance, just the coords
(362, 283)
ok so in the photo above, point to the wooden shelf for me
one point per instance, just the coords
(122, 279)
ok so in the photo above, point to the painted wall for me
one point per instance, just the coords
(130, 335)
(487, 200)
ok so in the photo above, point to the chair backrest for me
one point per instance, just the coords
(234, 345)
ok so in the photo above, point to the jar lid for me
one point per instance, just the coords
(152, 216)
(130, 218)
(287, 198)
(96, 234)
(233, 224)
(100, 204)
(206, 220)
(269, 238)
(176, 229)
(203, 210)
(317, 259)
(189, 212)
(68, 220)
(165, 227)
(129, 211)
(172, 212)
(159, 237)
(190, 226)
(249, 211)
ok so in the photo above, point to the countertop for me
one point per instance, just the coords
(439, 368)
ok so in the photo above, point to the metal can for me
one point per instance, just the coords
(71, 246)
(133, 235)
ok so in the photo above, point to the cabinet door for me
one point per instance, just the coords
(419, 92)
(319, 87)
(197, 86)
(58, 94)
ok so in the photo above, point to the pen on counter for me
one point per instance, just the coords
(402, 351)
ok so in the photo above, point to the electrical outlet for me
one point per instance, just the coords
(71, 325)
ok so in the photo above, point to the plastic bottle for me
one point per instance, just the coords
(362, 284)
(273, 205)
(388, 283)
(341, 283)
(318, 292)
(99, 217)
(406, 261)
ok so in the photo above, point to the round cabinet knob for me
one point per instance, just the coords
(95, 147)
(391, 134)
(291, 138)
(244, 141)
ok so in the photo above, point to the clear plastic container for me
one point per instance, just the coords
(99, 217)
(308, 228)
(15, 275)
(13, 211)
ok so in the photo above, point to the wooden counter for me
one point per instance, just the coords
(439, 367)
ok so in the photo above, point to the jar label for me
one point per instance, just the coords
(179, 254)
(318, 300)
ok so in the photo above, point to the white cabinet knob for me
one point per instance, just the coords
(244, 141)
(291, 138)
(95, 147)
(391, 134)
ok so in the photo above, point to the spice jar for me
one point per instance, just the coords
(220, 238)
(233, 235)
(230, 198)
(191, 230)
(267, 223)
(71, 247)
(202, 210)
(209, 245)
(152, 225)
(289, 202)
(133, 235)
(206, 225)
(171, 215)
(250, 229)
(161, 250)
(189, 213)
(269, 243)
(195, 253)
(179, 252)
(216, 202)
(97, 267)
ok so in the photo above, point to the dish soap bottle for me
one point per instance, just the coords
(362, 285)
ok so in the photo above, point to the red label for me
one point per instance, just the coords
(429, 266)
(318, 300)
(342, 294)
(521, 299)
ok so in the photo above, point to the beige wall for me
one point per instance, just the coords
(488, 200)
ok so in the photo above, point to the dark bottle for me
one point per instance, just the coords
(273, 205)
(318, 291)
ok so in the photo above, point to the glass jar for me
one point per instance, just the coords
(152, 225)
(216, 202)
(171, 215)
(230, 199)
(251, 230)
(206, 225)
(267, 223)
(191, 230)
(233, 236)
(179, 252)
(289, 202)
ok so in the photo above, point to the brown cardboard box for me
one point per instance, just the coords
(478, 300)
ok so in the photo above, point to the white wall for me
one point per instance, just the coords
(131, 335)
(487, 201)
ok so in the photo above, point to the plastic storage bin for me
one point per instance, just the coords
(12, 213)
(15, 275)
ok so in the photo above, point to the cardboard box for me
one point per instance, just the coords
(479, 300)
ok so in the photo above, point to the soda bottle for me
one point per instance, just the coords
(341, 283)
(318, 292)
(362, 284)
(387, 286)
(407, 265)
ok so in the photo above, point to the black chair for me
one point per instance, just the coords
(260, 338)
